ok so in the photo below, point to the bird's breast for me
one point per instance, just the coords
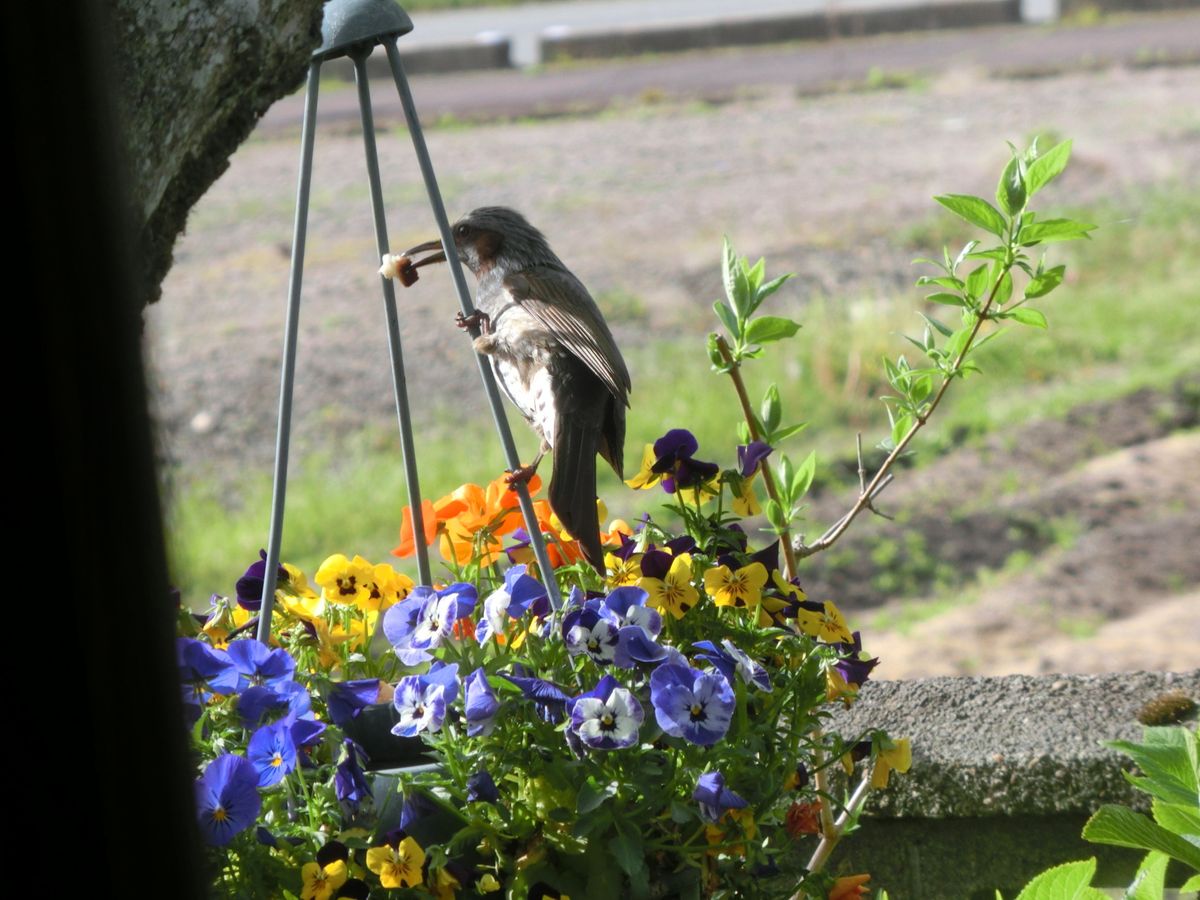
(529, 385)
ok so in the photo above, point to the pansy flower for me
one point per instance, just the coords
(346, 699)
(823, 622)
(893, 756)
(852, 667)
(549, 697)
(622, 571)
(421, 704)
(481, 788)
(849, 887)
(741, 589)
(585, 631)
(728, 660)
(345, 581)
(227, 800)
(258, 664)
(670, 462)
(204, 670)
(673, 593)
(691, 704)
(607, 717)
(429, 526)
(521, 594)
(322, 880)
(398, 866)
(272, 752)
(426, 619)
(750, 455)
(350, 783)
(280, 699)
(714, 798)
(249, 587)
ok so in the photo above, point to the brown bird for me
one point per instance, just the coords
(552, 353)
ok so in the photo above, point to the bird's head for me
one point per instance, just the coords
(488, 237)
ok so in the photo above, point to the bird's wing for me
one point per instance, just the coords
(562, 305)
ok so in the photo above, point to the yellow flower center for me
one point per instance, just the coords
(219, 814)
(277, 760)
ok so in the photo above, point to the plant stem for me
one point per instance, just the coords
(828, 842)
(821, 782)
(882, 477)
(735, 374)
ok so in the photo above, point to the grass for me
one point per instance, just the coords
(1125, 320)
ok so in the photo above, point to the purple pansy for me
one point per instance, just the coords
(272, 752)
(673, 452)
(549, 697)
(714, 798)
(521, 594)
(227, 800)
(258, 664)
(750, 455)
(350, 783)
(607, 717)
(728, 659)
(481, 788)
(421, 704)
(347, 699)
(691, 704)
(586, 631)
(423, 620)
(250, 585)
(851, 666)
(286, 698)
(481, 704)
(204, 670)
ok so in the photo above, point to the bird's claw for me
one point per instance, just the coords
(478, 319)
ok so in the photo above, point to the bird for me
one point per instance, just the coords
(551, 351)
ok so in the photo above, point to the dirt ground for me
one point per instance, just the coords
(636, 201)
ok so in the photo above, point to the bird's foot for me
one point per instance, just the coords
(520, 475)
(478, 319)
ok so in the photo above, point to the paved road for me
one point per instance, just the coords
(812, 66)
(524, 23)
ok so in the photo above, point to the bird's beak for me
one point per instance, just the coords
(439, 256)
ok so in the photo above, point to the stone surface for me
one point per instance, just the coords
(194, 77)
(1018, 745)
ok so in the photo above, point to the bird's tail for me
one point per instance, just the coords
(573, 488)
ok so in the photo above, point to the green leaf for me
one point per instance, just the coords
(921, 388)
(1054, 230)
(1047, 166)
(802, 479)
(966, 251)
(1123, 827)
(901, 427)
(1177, 817)
(728, 319)
(765, 329)
(772, 286)
(1003, 290)
(627, 849)
(755, 274)
(1167, 757)
(937, 326)
(1070, 881)
(947, 299)
(997, 253)
(784, 433)
(787, 471)
(592, 795)
(1192, 884)
(975, 210)
(978, 281)
(775, 515)
(1045, 282)
(956, 342)
(946, 281)
(771, 410)
(1150, 879)
(743, 431)
(714, 354)
(1027, 316)
(1010, 192)
(735, 281)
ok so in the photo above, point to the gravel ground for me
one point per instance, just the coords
(635, 201)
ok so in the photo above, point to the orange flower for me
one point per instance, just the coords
(429, 524)
(850, 887)
(472, 519)
(803, 818)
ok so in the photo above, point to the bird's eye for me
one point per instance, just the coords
(461, 230)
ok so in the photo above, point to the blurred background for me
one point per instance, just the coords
(1050, 518)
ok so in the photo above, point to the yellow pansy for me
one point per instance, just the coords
(622, 572)
(673, 594)
(828, 625)
(397, 867)
(345, 581)
(646, 478)
(487, 884)
(321, 882)
(896, 755)
(741, 589)
(442, 884)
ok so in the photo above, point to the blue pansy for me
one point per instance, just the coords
(258, 664)
(691, 704)
(481, 704)
(273, 753)
(421, 704)
(728, 660)
(607, 717)
(350, 782)
(714, 798)
(204, 670)
(227, 800)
